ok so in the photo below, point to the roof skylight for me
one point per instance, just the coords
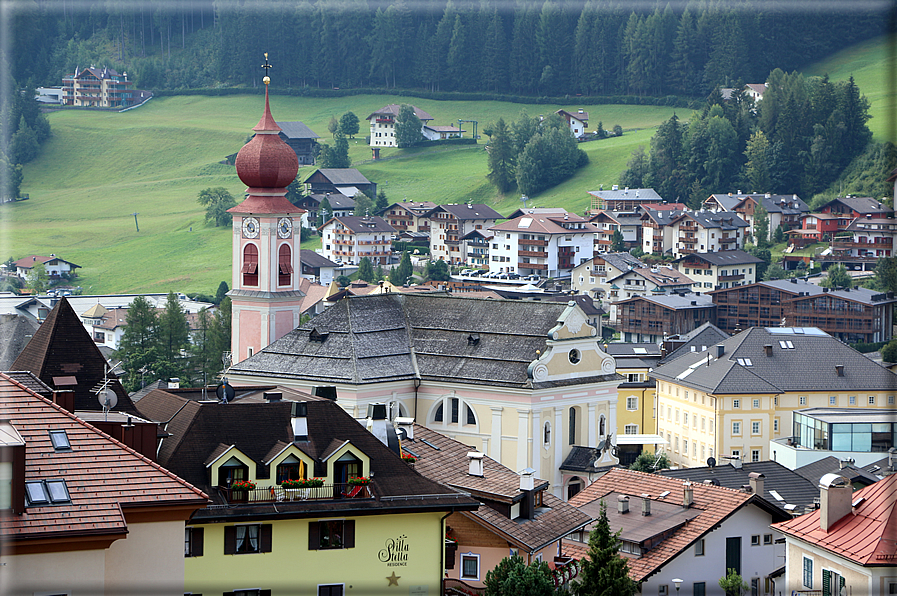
(46, 492)
(60, 440)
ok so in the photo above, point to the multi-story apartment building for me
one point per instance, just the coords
(98, 88)
(636, 410)
(477, 244)
(715, 270)
(383, 124)
(870, 238)
(550, 245)
(784, 211)
(410, 217)
(651, 317)
(449, 224)
(627, 199)
(857, 315)
(349, 239)
(593, 276)
(737, 396)
(628, 223)
(658, 235)
(703, 231)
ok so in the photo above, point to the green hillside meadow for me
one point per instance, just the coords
(101, 167)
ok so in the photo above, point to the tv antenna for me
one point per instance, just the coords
(105, 394)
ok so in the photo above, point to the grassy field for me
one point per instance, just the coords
(872, 64)
(100, 168)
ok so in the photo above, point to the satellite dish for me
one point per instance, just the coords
(107, 399)
(225, 392)
(711, 462)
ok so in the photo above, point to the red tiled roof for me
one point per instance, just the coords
(104, 477)
(867, 535)
(714, 504)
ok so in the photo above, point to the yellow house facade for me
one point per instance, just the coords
(734, 398)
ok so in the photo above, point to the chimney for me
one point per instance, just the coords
(623, 504)
(174, 383)
(299, 420)
(839, 369)
(845, 463)
(720, 350)
(834, 498)
(646, 504)
(272, 396)
(377, 423)
(892, 458)
(406, 424)
(65, 399)
(475, 463)
(756, 480)
(768, 349)
(527, 480)
(687, 495)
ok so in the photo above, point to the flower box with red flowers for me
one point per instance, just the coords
(242, 485)
(303, 483)
(359, 481)
(408, 459)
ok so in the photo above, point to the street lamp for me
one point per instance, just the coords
(677, 582)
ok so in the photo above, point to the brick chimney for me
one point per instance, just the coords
(646, 504)
(688, 498)
(623, 504)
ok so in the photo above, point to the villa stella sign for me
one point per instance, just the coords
(395, 552)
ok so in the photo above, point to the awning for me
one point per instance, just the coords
(640, 440)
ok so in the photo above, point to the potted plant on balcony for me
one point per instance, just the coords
(409, 459)
(242, 485)
(303, 483)
(359, 481)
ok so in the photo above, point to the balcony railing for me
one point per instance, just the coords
(277, 494)
(542, 266)
(532, 253)
(736, 277)
(523, 242)
(727, 240)
(850, 244)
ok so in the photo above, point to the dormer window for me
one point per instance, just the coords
(60, 440)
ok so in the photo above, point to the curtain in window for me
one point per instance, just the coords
(247, 539)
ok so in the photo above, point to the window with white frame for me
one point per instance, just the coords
(630, 429)
(755, 404)
(808, 573)
(803, 400)
(832, 400)
(470, 566)
(736, 428)
(631, 403)
(736, 403)
(684, 418)
(699, 548)
(852, 399)
(755, 455)
(755, 427)
(703, 423)
(871, 400)
(775, 425)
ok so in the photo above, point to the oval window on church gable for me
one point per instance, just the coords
(284, 265)
(250, 265)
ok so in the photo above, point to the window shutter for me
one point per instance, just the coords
(314, 535)
(350, 533)
(826, 582)
(265, 538)
(196, 536)
(230, 540)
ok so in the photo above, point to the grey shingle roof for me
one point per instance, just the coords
(675, 301)
(831, 464)
(724, 257)
(809, 366)
(802, 286)
(621, 260)
(464, 211)
(15, 332)
(363, 224)
(313, 259)
(371, 337)
(628, 193)
(794, 488)
(343, 176)
(297, 130)
(703, 337)
(715, 220)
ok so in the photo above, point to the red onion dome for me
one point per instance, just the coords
(267, 161)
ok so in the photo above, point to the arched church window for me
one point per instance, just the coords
(284, 265)
(250, 265)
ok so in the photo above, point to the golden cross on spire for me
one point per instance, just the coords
(266, 66)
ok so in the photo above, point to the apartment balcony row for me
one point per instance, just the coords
(532, 253)
(540, 266)
(727, 240)
(735, 277)
(277, 494)
(882, 243)
(530, 242)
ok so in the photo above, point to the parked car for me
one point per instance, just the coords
(513, 276)
(466, 272)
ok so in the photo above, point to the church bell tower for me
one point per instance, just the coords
(266, 298)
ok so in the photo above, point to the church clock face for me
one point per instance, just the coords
(285, 227)
(250, 227)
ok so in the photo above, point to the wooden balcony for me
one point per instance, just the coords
(276, 494)
(870, 245)
(523, 242)
(736, 277)
(532, 253)
(542, 266)
(727, 240)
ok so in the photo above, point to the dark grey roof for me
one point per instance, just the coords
(358, 223)
(313, 259)
(464, 211)
(648, 194)
(809, 366)
(724, 257)
(371, 337)
(728, 201)
(791, 486)
(785, 204)
(662, 217)
(881, 467)
(802, 286)
(831, 464)
(15, 332)
(621, 260)
(861, 205)
(638, 350)
(30, 381)
(589, 307)
(675, 301)
(297, 130)
(582, 460)
(700, 339)
(343, 176)
(340, 201)
(723, 220)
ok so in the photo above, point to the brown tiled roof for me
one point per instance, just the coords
(104, 477)
(713, 504)
(867, 535)
(61, 347)
(449, 465)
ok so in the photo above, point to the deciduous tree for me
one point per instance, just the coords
(650, 462)
(217, 201)
(408, 127)
(348, 124)
(37, 278)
